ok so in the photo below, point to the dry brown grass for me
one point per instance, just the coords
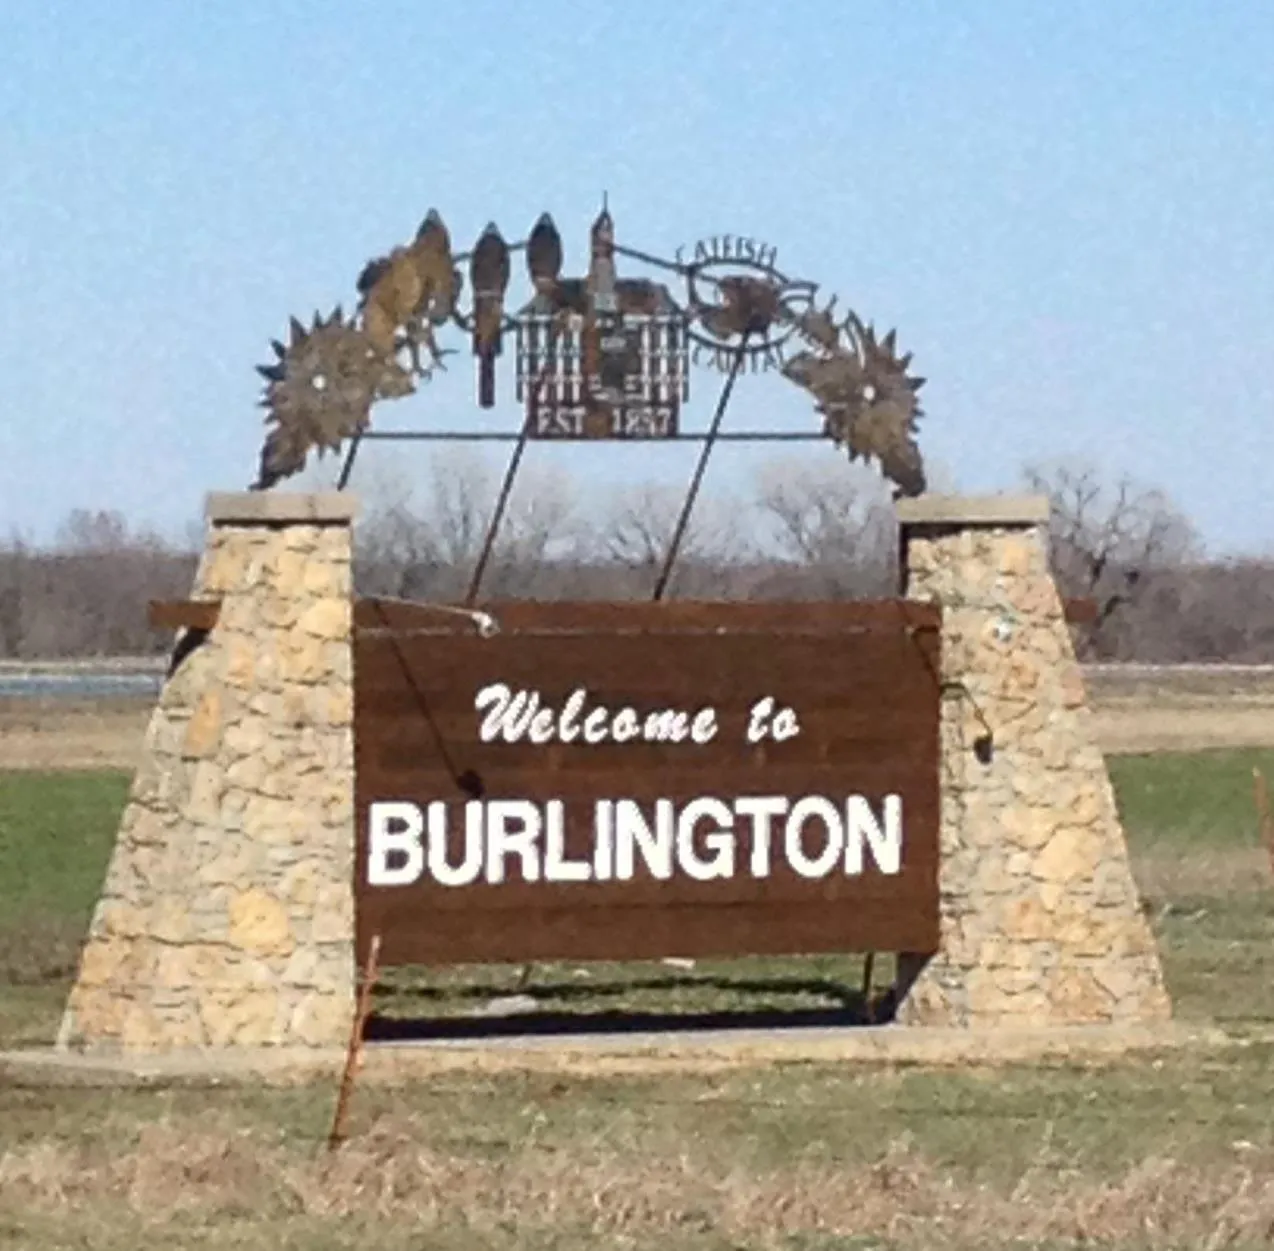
(1136, 729)
(72, 734)
(1187, 710)
(179, 1175)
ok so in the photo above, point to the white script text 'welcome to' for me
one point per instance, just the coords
(515, 716)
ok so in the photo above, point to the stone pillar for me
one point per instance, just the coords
(227, 914)
(1040, 917)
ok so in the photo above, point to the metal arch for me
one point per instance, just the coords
(859, 383)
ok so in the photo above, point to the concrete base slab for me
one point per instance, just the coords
(593, 1054)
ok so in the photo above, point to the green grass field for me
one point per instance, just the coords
(1168, 1151)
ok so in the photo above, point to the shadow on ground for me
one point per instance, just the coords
(546, 1010)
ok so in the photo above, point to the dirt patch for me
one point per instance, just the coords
(72, 734)
(1188, 709)
(1131, 727)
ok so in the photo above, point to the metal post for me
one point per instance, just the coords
(684, 519)
(348, 466)
(506, 489)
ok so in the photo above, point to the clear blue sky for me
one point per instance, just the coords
(1067, 210)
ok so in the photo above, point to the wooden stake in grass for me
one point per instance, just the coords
(354, 1052)
(1264, 817)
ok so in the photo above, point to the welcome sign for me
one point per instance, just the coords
(629, 782)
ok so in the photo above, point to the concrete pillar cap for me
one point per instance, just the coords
(301, 508)
(968, 511)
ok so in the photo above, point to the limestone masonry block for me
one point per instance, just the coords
(1040, 917)
(227, 914)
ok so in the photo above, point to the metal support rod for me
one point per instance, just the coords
(692, 494)
(354, 1051)
(348, 466)
(506, 489)
(467, 781)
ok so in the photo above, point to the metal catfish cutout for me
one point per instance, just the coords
(598, 355)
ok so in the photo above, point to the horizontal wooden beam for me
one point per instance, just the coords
(183, 614)
(641, 617)
(202, 614)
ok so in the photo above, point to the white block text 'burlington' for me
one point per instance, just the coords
(703, 839)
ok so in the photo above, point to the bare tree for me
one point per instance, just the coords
(1110, 540)
(835, 522)
(392, 549)
(16, 574)
(1218, 611)
(635, 533)
(87, 595)
(88, 531)
(805, 531)
(428, 544)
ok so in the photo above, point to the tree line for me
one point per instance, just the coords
(799, 531)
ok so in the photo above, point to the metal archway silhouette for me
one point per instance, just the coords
(598, 356)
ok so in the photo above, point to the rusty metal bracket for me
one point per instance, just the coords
(1082, 611)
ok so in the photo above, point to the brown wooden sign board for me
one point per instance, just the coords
(615, 781)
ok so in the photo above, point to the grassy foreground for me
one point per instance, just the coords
(1175, 1151)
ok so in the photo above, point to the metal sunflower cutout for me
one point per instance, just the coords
(865, 395)
(320, 392)
(321, 389)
